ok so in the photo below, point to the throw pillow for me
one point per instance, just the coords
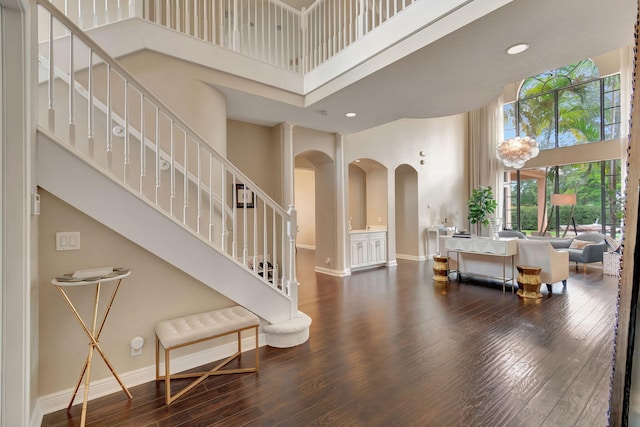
(579, 244)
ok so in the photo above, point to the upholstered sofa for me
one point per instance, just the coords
(584, 248)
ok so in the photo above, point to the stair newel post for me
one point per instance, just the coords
(292, 284)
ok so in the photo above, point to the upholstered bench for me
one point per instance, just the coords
(188, 330)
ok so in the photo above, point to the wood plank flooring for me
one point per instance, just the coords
(390, 348)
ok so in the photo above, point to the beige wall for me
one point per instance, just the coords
(318, 148)
(377, 197)
(154, 291)
(181, 85)
(407, 237)
(357, 197)
(253, 149)
(441, 180)
(305, 201)
(326, 223)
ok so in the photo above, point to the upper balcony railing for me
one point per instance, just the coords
(267, 30)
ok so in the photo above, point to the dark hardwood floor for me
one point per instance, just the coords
(388, 348)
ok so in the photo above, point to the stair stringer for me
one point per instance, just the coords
(84, 186)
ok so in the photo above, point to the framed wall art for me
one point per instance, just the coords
(244, 197)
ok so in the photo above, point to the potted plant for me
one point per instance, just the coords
(481, 205)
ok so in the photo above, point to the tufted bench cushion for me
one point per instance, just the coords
(195, 328)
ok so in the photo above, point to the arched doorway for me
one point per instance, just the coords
(315, 201)
(406, 208)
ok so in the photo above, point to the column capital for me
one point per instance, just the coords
(287, 126)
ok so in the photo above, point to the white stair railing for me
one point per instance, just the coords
(111, 119)
(267, 30)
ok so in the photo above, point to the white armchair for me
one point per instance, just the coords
(554, 264)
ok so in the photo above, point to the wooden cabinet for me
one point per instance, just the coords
(359, 244)
(368, 248)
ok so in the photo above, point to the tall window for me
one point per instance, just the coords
(567, 106)
(564, 107)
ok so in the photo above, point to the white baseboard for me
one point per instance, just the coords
(60, 400)
(392, 263)
(330, 272)
(411, 257)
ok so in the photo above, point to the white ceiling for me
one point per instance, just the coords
(462, 71)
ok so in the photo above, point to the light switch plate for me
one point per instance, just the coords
(68, 241)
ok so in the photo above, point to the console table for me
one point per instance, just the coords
(95, 277)
(488, 250)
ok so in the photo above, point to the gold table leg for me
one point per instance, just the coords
(93, 344)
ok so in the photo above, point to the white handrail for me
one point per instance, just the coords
(155, 142)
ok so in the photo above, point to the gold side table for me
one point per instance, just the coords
(529, 281)
(94, 332)
(441, 269)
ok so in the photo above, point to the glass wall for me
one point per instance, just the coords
(597, 189)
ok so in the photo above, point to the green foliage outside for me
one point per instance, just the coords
(584, 215)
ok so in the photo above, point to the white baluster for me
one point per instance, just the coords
(185, 179)
(142, 143)
(234, 222)
(72, 82)
(274, 249)
(173, 170)
(223, 207)
(199, 215)
(264, 239)
(51, 102)
(91, 139)
(245, 248)
(158, 150)
(109, 121)
(211, 195)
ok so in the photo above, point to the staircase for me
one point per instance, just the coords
(110, 148)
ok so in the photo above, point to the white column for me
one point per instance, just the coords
(341, 207)
(18, 370)
(391, 218)
(288, 164)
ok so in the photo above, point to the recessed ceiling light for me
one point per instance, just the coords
(351, 114)
(517, 48)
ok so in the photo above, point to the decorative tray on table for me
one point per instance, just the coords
(92, 274)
